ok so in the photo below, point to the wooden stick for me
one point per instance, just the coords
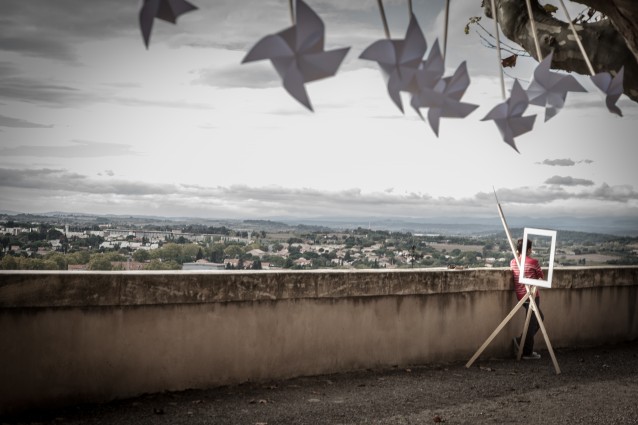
(292, 11)
(447, 19)
(528, 317)
(498, 48)
(533, 305)
(507, 230)
(383, 18)
(533, 25)
(580, 45)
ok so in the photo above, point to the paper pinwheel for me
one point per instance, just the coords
(167, 10)
(549, 89)
(297, 53)
(612, 87)
(444, 99)
(399, 59)
(509, 118)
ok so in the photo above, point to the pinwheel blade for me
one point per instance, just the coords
(166, 10)
(612, 87)
(549, 89)
(508, 116)
(399, 59)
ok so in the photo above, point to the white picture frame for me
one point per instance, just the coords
(547, 283)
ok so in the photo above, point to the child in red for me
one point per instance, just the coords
(532, 271)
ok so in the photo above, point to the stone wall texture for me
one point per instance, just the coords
(73, 337)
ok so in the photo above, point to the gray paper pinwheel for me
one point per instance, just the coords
(550, 89)
(399, 59)
(167, 10)
(444, 98)
(509, 118)
(612, 87)
(297, 53)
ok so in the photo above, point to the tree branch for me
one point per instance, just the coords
(606, 47)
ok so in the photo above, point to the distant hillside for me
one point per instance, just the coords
(627, 226)
(461, 226)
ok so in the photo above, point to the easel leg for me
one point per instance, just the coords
(497, 330)
(533, 305)
(528, 317)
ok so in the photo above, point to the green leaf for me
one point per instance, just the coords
(550, 8)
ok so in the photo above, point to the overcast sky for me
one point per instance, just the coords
(91, 121)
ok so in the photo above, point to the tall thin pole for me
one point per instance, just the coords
(292, 11)
(532, 22)
(383, 18)
(498, 48)
(447, 20)
(507, 230)
(580, 44)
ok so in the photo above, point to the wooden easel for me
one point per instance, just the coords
(529, 296)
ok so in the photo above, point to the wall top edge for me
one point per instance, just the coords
(287, 271)
(47, 289)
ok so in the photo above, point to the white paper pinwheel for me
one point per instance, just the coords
(444, 98)
(612, 87)
(297, 53)
(167, 10)
(509, 118)
(550, 89)
(399, 59)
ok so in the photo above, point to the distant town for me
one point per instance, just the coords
(85, 242)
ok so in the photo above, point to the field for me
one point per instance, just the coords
(448, 247)
(590, 258)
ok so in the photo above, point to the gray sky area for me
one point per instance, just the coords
(91, 121)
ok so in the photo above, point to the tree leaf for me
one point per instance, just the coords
(509, 61)
(550, 8)
(472, 20)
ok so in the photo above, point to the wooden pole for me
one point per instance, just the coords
(507, 230)
(292, 11)
(528, 317)
(533, 305)
(384, 19)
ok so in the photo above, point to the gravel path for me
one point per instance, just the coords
(597, 385)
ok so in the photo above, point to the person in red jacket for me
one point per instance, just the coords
(532, 271)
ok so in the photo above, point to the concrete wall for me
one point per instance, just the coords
(83, 337)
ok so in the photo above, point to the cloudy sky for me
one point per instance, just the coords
(91, 121)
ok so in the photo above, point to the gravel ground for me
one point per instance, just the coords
(597, 385)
